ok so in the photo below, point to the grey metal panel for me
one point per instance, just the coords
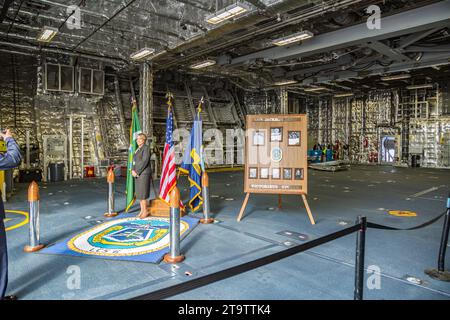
(407, 22)
(387, 51)
(428, 60)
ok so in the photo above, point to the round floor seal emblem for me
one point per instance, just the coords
(276, 154)
(125, 237)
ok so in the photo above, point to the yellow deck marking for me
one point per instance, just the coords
(402, 213)
(20, 224)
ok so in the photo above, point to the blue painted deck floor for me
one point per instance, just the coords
(325, 272)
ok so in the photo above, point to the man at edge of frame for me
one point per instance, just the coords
(8, 160)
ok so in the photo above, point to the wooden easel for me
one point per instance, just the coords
(284, 171)
(305, 202)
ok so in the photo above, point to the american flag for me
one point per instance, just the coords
(168, 172)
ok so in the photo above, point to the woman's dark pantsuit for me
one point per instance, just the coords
(142, 167)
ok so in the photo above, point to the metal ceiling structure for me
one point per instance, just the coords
(109, 28)
(414, 34)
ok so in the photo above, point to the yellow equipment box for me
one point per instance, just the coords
(2, 146)
(2, 183)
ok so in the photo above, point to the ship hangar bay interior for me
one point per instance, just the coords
(367, 81)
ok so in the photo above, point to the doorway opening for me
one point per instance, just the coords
(388, 150)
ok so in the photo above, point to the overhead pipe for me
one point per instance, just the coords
(68, 35)
(141, 30)
(57, 4)
(65, 52)
(158, 14)
(17, 52)
(28, 38)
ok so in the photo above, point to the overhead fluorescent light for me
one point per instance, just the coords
(229, 12)
(203, 64)
(141, 54)
(396, 77)
(344, 95)
(420, 86)
(284, 83)
(314, 89)
(158, 54)
(47, 34)
(296, 37)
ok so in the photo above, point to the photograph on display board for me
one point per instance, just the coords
(276, 134)
(264, 174)
(253, 173)
(259, 138)
(293, 138)
(276, 173)
(287, 173)
(298, 174)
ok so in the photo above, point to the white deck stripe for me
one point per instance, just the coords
(421, 193)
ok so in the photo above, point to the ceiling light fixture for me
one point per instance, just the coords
(314, 89)
(396, 77)
(47, 34)
(154, 55)
(141, 54)
(420, 86)
(344, 95)
(296, 37)
(284, 82)
(203, 64)
(229, 12)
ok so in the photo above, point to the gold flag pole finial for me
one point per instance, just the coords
(200, 103)
(169, 97)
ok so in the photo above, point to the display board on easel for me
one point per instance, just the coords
(276, 157)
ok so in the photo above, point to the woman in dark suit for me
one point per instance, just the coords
(142, 172)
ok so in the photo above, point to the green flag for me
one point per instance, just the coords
(134, 131)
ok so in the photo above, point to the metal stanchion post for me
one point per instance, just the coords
(205, 191)
(359, 260)
(33, 200)
(440, 273)
(174, 256)
(110, 179)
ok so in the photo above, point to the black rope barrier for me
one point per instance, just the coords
(423, 225)
(360, 227)
(236, 270)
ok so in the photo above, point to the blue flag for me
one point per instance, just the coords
(193, 163)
